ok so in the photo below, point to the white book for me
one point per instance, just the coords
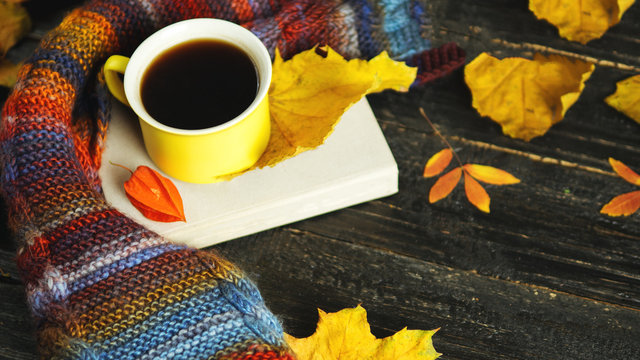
(354, 165)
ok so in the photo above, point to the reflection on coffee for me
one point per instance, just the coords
(199, 84)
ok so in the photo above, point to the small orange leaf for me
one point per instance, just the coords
(490, 174)
(155, 196)
(476, 194)
(438, 162)
(624, 171)
(445, 184)
(625, 204)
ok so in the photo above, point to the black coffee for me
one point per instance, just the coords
(199, 84)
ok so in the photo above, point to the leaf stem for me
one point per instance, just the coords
(424, 115)
(122, 166)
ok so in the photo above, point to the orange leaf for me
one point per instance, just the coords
(438, 162)
(476, 194)
(624, 171)
(625, 204)
(445, 185)
(155, 196)
(490, 174)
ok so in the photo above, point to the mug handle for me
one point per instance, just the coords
(116, 64)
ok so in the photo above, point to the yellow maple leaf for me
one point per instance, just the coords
(15, 24)
(346, 335)
(627, 97)
(581, 20)
(310, 92)
(526, 96)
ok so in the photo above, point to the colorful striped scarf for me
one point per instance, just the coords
(100, 285)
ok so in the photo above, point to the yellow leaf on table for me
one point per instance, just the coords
(8, 73)
(526, 96)
(626, 98)
(346, 335)
(310, 92)
(580, 20)
(15, 24)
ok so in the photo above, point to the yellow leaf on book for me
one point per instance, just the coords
(346, 335)
(627, 97)
(581, 20)
(310, 92)
(526, 96)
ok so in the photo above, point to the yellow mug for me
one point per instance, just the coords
(200, 155)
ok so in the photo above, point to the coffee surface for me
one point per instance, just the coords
(199, 84)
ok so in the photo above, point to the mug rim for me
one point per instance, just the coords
(182, 32)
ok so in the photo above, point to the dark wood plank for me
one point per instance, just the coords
(480, 317)
(17, 337)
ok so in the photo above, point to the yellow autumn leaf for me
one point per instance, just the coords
(526, 96)
(15, 24)
(8, 73)
(310, 92)
(346, 335)
(580, 20)
(627, 97)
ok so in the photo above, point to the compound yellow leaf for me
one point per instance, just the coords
(624, 171)
(626, 98)
(346, 335)
(526, 97)
(437, 163)
(622, 205)
(580, 20)
(444, 185)
(490, 174)
(476, 194)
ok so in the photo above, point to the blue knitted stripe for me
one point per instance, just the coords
(367, 44)
(401, 31)
(245, 297)
(131, 261)
(205, 339)
(161, 326)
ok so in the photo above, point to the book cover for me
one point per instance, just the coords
(354, 165)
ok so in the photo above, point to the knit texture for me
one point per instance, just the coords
(100, 285)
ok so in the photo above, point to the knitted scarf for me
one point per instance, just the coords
(101, 286)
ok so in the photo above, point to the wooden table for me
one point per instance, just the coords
(543, 276)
